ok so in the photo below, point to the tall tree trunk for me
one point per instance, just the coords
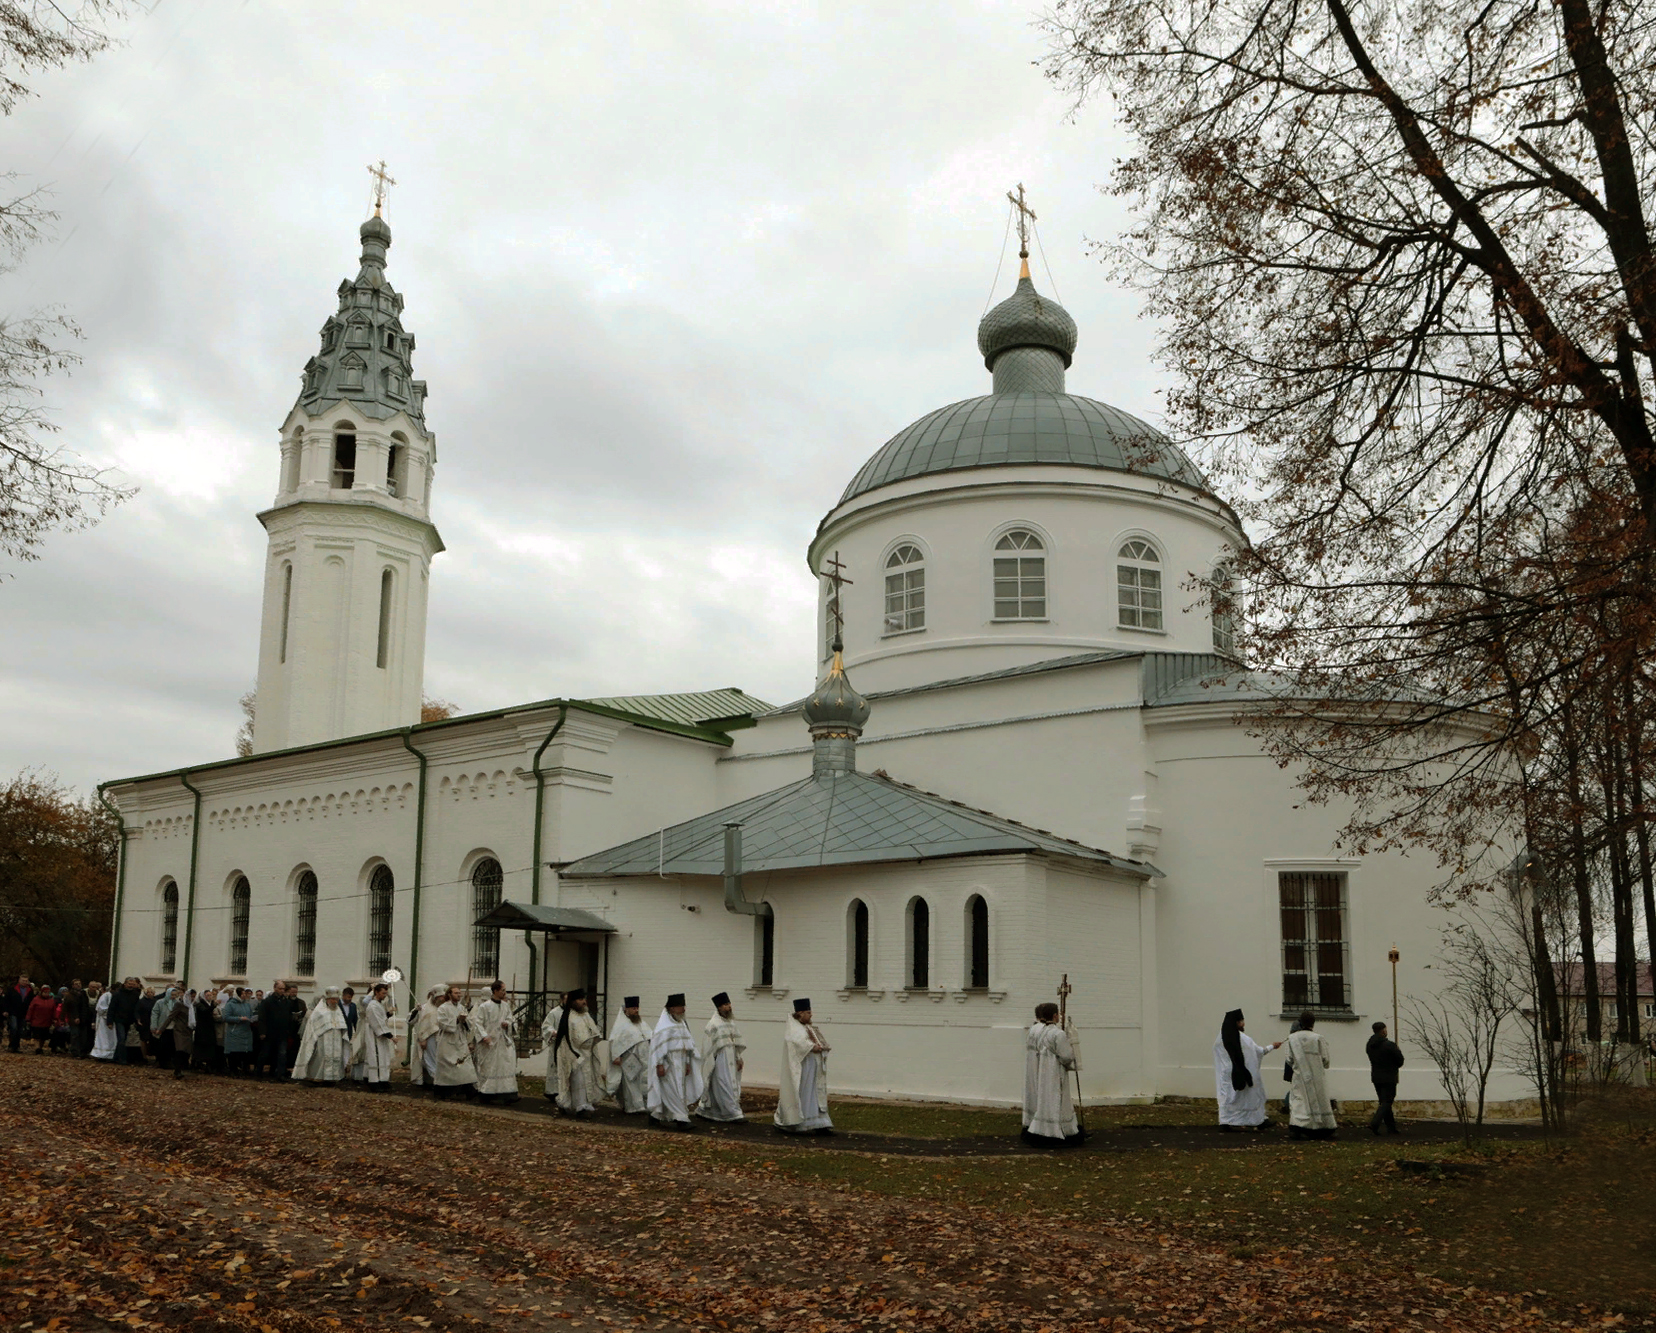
(1593, 1018)
(1641, 831)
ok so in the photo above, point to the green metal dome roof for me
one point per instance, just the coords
(1012, 429)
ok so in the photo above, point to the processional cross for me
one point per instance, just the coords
(1026, 215)
(834, 571)
(383, 180)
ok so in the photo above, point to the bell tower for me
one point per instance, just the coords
(342, 641)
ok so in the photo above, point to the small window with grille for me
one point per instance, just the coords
(1316, 948)
(856, 946)
(169, 928)
(905, 590)
(1138, 585)
(487, 889)
(241, 908)
(304, 931)
(382, 892)
(1020, 577)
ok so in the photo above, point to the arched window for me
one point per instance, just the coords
(384, 620)
(396, 466)
(1020, 577)
(977, 943)
(1224, 612)
(344, 460)
(919, 944)
(291, 460)
(764, 950)
(382, 890)
(287, 605)
(169, 928)
(1139, 585)
(905, 590)
(241, 908)
(856, 945)
(487, 888)
(304, 928)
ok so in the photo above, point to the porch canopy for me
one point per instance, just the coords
(547, 920)
(571, 924)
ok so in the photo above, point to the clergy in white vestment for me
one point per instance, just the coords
(496, 1049)
(103, 1046)
(802, 1098)
(580, 1075)
(375, 1042)
(422, 1038)
(629, 1071)
(722, 1063)
(1311, 1113)
(1238, 1080)
(1048, 1107)
(456, 1071)
(675, 1069)
(549, 1040)
(323, 1047)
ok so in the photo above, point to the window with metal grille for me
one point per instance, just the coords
(241, 908)
(1138, 585)
(1315, 949)
(382, 893)
(919, 941)
(977, 943)
(487, 881)
(905, 590)
(304, 932)
(1020, 577)
(169, 928)
(856, 946)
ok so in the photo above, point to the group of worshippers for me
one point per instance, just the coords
(458, 1051)
(1240, 1079)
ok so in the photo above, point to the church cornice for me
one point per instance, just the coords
(366, 516)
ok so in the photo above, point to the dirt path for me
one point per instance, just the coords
(138, 1202)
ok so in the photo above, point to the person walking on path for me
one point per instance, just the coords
(275, 1025)
(180, 1025)
(41, 1015)
(1312, 1113)
(77, 1013)
(238, 1030)
(18, 996)
(123, 1016)
(1385, 1060)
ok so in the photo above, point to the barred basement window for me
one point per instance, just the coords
(1138, 585)
(919, 945)
(169, 928)
(1020, 579)
(856, 946)
(977, 938)
(304, 934)
(241, 908)
(382, 890)
(1315, 946)
(487, 881)
(905, 590)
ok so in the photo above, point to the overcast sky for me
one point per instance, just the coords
(674, 277)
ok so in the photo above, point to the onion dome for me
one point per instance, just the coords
(1026, 319)
(836, 715)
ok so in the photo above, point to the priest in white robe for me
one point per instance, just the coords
(493, 1025)
(1311, 1112)
(1238, 1079)
(456, 1072)
(802, 1098)
(629, 1048)
(675, 1068)
(375, 1042)
(549, 1040)
(323, 1048)
(422, 1038)
(580, 1075)
(722, 1063)
(103, 1046)
(1049, 1059)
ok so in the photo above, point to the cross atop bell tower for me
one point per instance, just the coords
(383, 180)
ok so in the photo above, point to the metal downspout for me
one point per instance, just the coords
(735, 901)
(195, 847)
(419, 863)
(120, 880)
(540, 804)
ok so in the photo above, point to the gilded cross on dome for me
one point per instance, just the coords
(1026, 215)
(383, 180)
(834, 571)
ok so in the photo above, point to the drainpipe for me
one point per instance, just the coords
(120, 880)
(734, 900)
(540, 807)
(419, 863)
(195, 846)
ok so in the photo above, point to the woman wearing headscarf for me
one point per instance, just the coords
(1239, 1083)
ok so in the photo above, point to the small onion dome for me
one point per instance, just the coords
(836, 709)
(1026, 319)
(376, 227)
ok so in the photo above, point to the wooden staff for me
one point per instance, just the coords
(1064, 989)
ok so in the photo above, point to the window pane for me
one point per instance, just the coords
(1006, 610)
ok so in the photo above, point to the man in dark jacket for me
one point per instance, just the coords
(123, 1013)
(1384, 1062)
(18, 996)
(275, 1025)
(77, 1013)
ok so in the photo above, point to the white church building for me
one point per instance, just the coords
(1026, 763)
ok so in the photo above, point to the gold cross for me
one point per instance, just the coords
(834, 571)
(383, 178)
(1026, 215)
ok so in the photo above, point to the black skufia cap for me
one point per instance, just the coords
(801, 1005)
(721, 999)
(629, 1002)
(675, 1000)
(577, 994)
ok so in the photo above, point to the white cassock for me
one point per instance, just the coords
(496, 1049)
(1239, 1106)
(454, 1056)
(377, 1041)
(549, 1037)
(322, 1047)
(724, 1080)
(1308, 1105)
(103, 1046)
(673, 1048)
(1048, 1108)
(579, 1074)
(422, 1044)
(802, 1098)
(629, 1072)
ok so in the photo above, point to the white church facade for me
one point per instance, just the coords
(1026, 762)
